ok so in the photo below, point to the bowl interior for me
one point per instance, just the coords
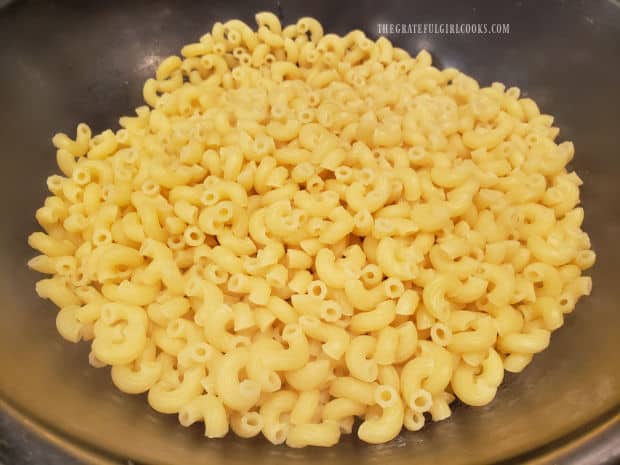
(66, 62)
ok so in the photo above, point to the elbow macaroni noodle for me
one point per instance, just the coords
(299, 229)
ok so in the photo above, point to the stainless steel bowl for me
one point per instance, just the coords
(63, 62)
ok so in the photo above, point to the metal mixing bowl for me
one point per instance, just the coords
(62, 62)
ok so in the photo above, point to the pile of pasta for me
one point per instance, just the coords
(301, 229)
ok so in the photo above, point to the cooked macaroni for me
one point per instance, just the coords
(299, 229)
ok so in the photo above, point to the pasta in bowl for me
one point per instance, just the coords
(301, 229)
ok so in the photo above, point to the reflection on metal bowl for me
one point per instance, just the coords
(65, 62)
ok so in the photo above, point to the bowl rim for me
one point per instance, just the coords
(594, 443)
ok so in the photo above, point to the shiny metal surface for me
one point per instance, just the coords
(68, 61)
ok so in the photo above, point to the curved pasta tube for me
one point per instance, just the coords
(546, 275)
(323, 434)
(333, 274)
(105, 216)
(113, 345)
(413, 421)
(432, 216)
(471, 290)
(312, 26)
(306, 411)
(407, 342)
(551, 312)
(353, 389)
(342, 224)
(411, 184)
(50, 246)
(440, 410)
(556, 255)
(357, 200)
(412, 376)
(478, 390)
(211, 295)
(424, 320)
(407, 303)
(97, 171)
(279, 219)
(362, 298)
(257, 289)
(435, 295)
(256, 368)
(358, 361)
(130, 293)
(507, 319)
(167, 66)
(169, 394)
(43, 264)
(491, 138)
(246, 425)
(78, 146)
(374, 320)
(574, 290)
(282, 310)
(563, 197)
(309, 377)
(58, 291)
(238, 246)
(442, 372)
(228, 190)
(502, 278)
(516, 363)
(236, 394)
(450, 178)
(68, 324)
(272, 410)
(130, 224)
(184, 332)
(139, 376)
(89, 312)
(481, 337)
(461, 319)
(331, 43)
(386, 347)
(214, 322)
(281, 70)
(149, 92)
(354, 257)
(306, 304)
(248, 36)
(389, 376)
(283, 131)
(270, 254)
(316, 204)
(151, 212)
(537, 220)
(163, 267)
(388, 425)
(293, 358)
(258, 229)
(209, 409)
(392, 263)
(341, 408)
(531, 341)
(460, 199)
(461, 268)
(197, 353)
(226, 259)
(336, 339)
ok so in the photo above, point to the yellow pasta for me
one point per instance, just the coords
(299, 229)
